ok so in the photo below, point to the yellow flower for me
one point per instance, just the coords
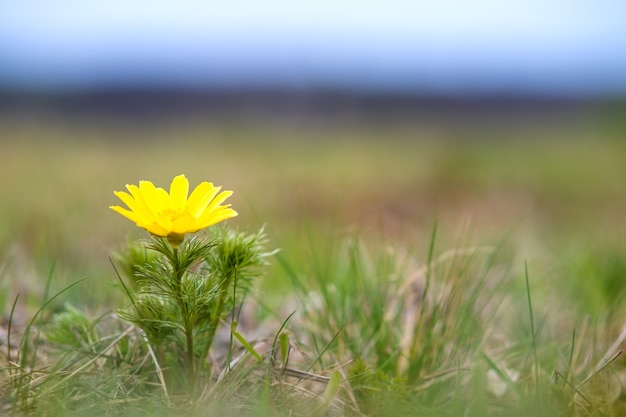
(173, 215)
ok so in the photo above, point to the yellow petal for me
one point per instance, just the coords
(201, 197)
(140, 221)
(158, 202)
(126, 213)
(179, 189)
(132, 204)
(213, 217)
(216, 219)
(136, 193)
(219, 200)
(155, 229)
(155, 200)
(184, 224)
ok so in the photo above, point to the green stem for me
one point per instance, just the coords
(187, 323)
(191, 370)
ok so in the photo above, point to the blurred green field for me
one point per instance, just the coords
(553, 193)
(553, 187)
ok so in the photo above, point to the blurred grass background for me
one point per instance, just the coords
(425, 169)
(555, 186)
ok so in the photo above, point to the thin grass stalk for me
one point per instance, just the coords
(158, 368)
(532, 326)
(416, 366)
(9, 330)
(234, 321)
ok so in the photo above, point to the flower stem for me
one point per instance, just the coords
(191, 370)
(186, 321)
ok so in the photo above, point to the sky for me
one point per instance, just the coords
(550, 46)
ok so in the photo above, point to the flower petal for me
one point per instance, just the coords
(179, 189)
(134, 205)
(219, 200)
(158, 202)
(155, 200)
(215, 216)
(184, 224)
(140, 221)
(155, 229)
(130, 215)
(200, 198)
(140, 200)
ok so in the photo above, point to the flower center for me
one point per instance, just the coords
(173, 214)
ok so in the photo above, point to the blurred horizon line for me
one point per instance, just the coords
(289, 105)
(454, 83)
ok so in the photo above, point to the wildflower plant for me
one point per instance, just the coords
(186, 287)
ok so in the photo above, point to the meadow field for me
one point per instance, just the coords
(424, 269)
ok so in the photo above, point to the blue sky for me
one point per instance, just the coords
(454, 45)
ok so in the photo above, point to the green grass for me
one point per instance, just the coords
(511, 306)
